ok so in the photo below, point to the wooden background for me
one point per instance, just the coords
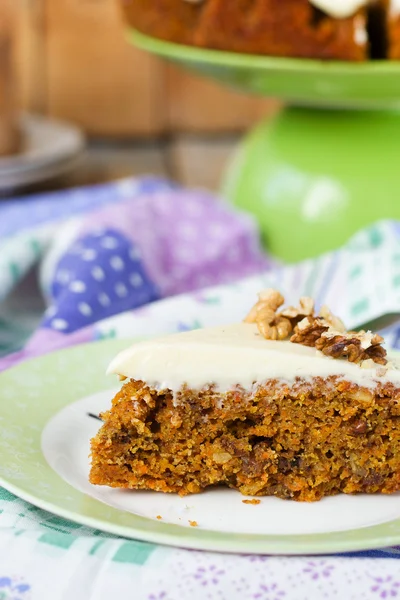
(72, 61)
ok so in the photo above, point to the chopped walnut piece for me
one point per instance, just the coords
(268, 300)
(273, 298)
(355, 347)
(309, 331)
(252, 316)
(276, 328)
(266, 314)
(333, 321)
(176, 421)
(221, 457)
(270, 325)
(362, 395)
(367, 364)
(359, 427)
(296, 314)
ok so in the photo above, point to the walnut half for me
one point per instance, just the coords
(355, 347)
(309, 331)
(333, 321)
(275, 327)
(267, 300)
(270, 325)
(295, 315)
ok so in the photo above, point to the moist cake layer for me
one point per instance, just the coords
(299, 442)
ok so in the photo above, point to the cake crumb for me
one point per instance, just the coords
(254, 502)
(193, 524)
(159, 517)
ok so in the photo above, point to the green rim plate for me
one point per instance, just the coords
(30, 394)
(374, 84)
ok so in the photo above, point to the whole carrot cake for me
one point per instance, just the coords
(286, 403)
(393, 29)
(351, 30)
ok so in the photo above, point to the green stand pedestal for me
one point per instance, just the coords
(312, 176)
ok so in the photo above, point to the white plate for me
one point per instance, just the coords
(44, 141)
(44, 446)
(15, 181)
(49, 148)
(66, 446)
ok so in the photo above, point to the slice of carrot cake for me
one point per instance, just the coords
(286, 403)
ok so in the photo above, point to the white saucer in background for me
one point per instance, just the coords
(49, 149)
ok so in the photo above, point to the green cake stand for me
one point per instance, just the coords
(325, 166)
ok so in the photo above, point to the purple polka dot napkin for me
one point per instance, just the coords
(148, 242)
(129, 254)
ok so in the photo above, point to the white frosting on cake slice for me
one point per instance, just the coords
(340, 9)
(235, 355)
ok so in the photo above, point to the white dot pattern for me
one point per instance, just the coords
(51, 311)
(136, 280)
(98, 273)
(117, 263)
(60, 324)
(109, 242)
(89, 254)
(63, 276)
(85, 309)
(121, 290)
(78, 287)
(135, 254)
(104, 277)
(104, 299)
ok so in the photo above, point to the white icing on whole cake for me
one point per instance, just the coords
(340, 9)
(394, 7)
(360, 31)
(235, 355)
